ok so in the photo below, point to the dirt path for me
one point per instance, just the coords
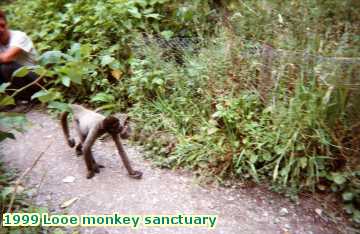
(239, 210)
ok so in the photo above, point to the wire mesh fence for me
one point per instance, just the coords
(274, 66)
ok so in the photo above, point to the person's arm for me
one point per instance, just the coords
(9, 55)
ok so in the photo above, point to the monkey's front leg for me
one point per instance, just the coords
(132, 173)
(96, 166)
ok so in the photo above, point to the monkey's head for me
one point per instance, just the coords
(112, 125)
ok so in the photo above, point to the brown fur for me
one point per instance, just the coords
(94, 125)
(111, 124)
(65, 128)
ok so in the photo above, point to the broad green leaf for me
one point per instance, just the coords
(107, 106)
(85, 50)
(158, 81)
(60, 106)
(66, 81)
(338, 178)
(39, 70)
(253, 158)
(267, 156)
(3, 87)
(4, 135)
(152, 2)
(75, 50)
(52, 57)
(22, 71)
(106, 60)
(73, 71)
(46, 96)
(142, 3)
(7, 100)
(39, 94)
(127, 24)
(153, 15)
(167, 34)
(116, 65)
(347, 196)
(103, 97)
(134, 12)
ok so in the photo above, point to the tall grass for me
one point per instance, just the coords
(225, 124)
(267, 90)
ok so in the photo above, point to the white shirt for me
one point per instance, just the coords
(19, 39)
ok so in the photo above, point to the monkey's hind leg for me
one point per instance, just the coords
(95, 165)
(78, 149)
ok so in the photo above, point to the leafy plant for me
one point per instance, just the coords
(288, 117)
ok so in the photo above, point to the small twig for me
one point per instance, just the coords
(40, 184)
(27, 171)
(28, 85)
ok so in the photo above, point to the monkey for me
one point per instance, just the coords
(90, 125)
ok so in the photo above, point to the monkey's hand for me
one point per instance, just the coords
(125, 132)
(136, 175)
(71, 142)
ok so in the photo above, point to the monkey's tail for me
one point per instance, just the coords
(65, 128)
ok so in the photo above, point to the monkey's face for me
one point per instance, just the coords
(112, 125)
(126, 131)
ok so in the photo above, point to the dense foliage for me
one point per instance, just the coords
(262, 90)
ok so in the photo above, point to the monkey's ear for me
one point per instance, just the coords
(126, 120)
(125, 132)
(110, 120)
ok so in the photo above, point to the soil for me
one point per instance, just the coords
(160, 191)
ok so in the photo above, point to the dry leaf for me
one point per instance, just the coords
(68, 202)
(116, 73)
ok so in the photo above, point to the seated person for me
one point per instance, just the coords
(16, 50)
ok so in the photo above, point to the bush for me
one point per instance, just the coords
(264, 91)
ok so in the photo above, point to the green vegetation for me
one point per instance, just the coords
(216, 103)
(21, 201)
